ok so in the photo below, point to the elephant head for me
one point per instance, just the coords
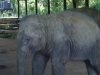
(31, 38)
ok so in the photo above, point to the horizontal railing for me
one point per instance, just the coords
(9, 25)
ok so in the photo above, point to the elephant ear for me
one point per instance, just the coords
(20, 34)
(36, 30)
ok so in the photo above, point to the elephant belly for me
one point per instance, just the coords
(80, 53)
(83, 38)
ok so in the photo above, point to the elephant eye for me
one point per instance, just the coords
(26, 40)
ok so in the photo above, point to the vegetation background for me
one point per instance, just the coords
(55, 6)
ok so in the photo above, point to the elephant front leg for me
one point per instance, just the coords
(58, 68)
(59, 57)
(90, 69)
(39, 63)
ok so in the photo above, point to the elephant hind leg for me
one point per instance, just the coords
(95, 64)
(90, 69)
(97, 68)
(94, 57)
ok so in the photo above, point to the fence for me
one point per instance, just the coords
(10, 25)
(36, 5)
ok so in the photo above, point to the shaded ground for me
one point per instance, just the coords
(8, 64)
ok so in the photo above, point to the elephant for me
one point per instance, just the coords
(60, 37)
(93, 13)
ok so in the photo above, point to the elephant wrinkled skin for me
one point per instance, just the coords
(60, 37)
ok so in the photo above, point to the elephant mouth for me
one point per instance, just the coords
(28, 54)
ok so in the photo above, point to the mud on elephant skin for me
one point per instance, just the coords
(60, 37)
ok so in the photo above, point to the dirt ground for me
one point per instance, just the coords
(8, 61)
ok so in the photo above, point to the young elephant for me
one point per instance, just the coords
(61, 37)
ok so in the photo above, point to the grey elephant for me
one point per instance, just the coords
(60, 37)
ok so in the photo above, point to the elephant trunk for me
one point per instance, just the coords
(20, 62)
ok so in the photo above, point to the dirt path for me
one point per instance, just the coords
(8, 61)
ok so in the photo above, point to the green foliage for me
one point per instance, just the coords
(95, 4)
(69, 4)
(31, 7)
(42, 7)
(80, 3)
(6, 35)
(14, 5)
(56, 6)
